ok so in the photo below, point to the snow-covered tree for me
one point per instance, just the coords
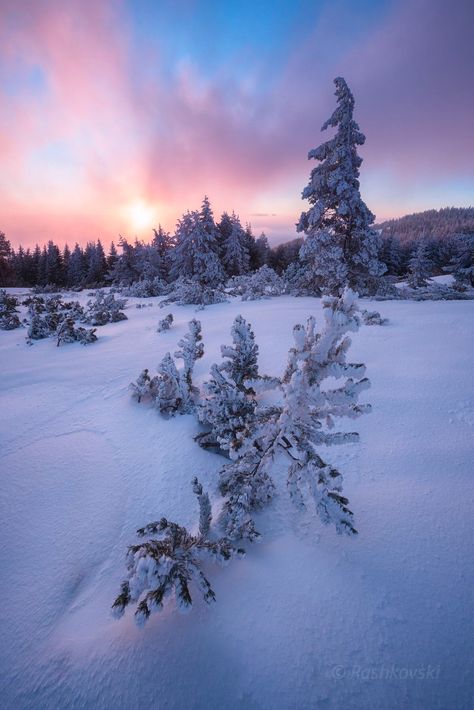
(169, 563)
(261, 253)
(195, 254)
(338, 222)
(9, 319)
(420, 266)
(191, 349)
(463, 262)
(226, 410)
(172, 390)
(299, 427)
(311, 405)
(165, 323)
(241, 362)
(235, 250)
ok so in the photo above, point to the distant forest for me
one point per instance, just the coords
(438, 234)
(431, 224)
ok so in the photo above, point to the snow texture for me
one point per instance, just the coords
(307, 619)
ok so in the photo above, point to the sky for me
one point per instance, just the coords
(117, 115)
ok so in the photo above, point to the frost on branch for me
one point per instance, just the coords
(373, 318)
(169, 563)
(246, 486)
(191, 349)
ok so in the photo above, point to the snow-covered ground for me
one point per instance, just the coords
(307, 619)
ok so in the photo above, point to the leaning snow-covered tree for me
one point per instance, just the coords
(169, 563)
(311, 406)
(302, 426)
(338, 225)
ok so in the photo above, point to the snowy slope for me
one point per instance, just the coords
(307, 619)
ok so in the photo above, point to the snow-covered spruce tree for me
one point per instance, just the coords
(169, 562)
(241, 362)
(420, 266)
(338, 223)
(167, 388)
(9, 319)
(172, 390)
(226, 410)
(463, 262)
(191, 349)
(105, 308)
(195, 254)
(235, 250)
(165, 323)
(310, 408)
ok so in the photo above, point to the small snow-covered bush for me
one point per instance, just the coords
(165, 323)
(192, 292)
(9, 319)
(373, 318)
(68, 333)
(146, 288)
(171, 390)
(264, 283)
(169, 563)
(105, 308)
(143, 387)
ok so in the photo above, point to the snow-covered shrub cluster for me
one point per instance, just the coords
(172, 390)
(169, 563)
(165, 323)
(68, 332)
(189, 292)
(9, 319)
(299, 425)
(292, 426)
(146, 288)
(105, 308)
(52, 316)
(263, 283)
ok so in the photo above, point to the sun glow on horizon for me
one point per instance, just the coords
(141, 215)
